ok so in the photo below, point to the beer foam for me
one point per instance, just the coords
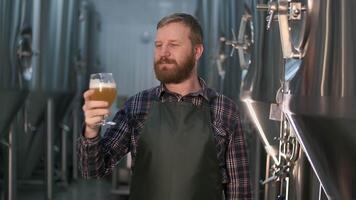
(96, 83)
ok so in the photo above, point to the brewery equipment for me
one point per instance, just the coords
(263, 65)
(37, 49)
(51, 81)
(262, 91)
(12, 91)
(261, 59)
(319, 86)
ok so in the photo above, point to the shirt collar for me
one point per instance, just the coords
(202, 92)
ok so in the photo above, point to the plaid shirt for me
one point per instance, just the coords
(98, 156)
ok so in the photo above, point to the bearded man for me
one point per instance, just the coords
(185, 139)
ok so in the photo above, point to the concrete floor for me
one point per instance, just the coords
(79, 190)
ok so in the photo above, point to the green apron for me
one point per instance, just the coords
(176, 156)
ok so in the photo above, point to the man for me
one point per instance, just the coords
(186, 140)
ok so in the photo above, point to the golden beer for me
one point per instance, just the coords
(107, 94)
(104, 87)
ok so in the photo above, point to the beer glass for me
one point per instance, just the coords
(104, 88)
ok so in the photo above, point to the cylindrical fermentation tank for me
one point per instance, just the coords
(12, 89)
(262, 76)
(261, 91)
(47, 34)
(320, 92)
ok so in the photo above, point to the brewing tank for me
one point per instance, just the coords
(320, 92)
(50, 27)
(261, 78)
(12, 89)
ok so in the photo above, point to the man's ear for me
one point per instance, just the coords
(198, 49)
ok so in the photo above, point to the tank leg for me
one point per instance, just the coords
(49, 158)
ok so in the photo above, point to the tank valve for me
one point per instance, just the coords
(285, 11)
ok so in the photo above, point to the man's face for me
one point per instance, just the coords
(175, 57)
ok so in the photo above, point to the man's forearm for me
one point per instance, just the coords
(91, 161)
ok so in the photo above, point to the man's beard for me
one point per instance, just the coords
(174, 74)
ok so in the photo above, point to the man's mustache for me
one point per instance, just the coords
(165, 60)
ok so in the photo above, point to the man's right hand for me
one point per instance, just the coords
(94, 113)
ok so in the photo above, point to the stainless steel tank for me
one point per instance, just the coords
(219, 66)
(262, 90)
(51, 73)
(234, 31)
(261, 77)
(52, 70)
(262, 62)
(320, 91)
(12, 90)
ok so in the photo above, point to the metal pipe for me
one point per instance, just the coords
(75, 135)
(287, 188)
(11, 166)
(50, 130)
(64, 154)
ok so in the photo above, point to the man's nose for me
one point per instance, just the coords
(164, 51)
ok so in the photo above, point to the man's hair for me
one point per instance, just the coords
(196, 32)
